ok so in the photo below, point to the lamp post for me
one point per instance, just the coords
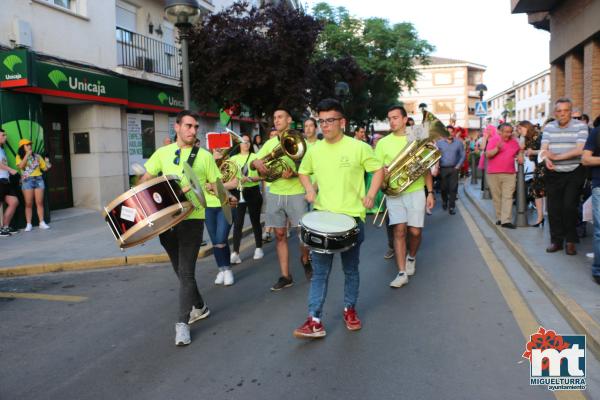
(481, 88)
(183, 14)
(342, 91)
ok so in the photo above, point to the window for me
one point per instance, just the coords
(443, 78)
(543, 85)
(75, 6)
(410, 107)
(68, 4)
(443, 106)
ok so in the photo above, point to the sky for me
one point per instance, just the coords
(480, 31)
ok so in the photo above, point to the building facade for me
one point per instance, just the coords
(527, 100)
(96, 86)
(447, 87)
(574, 47)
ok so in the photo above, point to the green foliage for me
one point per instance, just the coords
(384, 54)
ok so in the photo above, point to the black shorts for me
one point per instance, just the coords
(7, 189)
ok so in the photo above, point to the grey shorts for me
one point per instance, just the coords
(280, 208)
(408, 208)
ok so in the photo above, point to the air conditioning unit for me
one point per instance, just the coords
(144, 64)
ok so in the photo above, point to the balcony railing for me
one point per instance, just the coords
(147, 54)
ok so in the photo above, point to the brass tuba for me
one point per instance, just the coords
(414, 160)
(291, 144)
(229, 169)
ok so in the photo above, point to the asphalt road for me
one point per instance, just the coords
(448, 334)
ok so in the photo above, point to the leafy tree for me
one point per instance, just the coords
(255, 56)
(383, 53)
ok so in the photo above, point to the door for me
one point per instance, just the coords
(58, 178)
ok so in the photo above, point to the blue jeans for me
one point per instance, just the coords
(218, 229)
(321, 264)
(596, 214)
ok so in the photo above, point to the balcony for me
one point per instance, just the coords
(147, 54)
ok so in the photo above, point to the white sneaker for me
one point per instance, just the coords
(182, 334)
(410, 266)
(198, 313)
(400, 280)
(44, 225)
(258, 253)
(28, 228)
(220, 278)
(235, 258)
(228, 277)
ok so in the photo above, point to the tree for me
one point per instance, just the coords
(383, 53)
(255, 56)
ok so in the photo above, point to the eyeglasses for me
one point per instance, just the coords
(177, 154)
(328, 121)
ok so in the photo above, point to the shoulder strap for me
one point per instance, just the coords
(194, 153)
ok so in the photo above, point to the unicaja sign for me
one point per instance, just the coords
(163, 97)
(83, 85)
(10, 62)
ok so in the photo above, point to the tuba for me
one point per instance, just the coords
(414, 160)
(291, 144)
(229, 169)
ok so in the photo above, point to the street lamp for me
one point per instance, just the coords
(183, 14)
(481, 88)
(342, 91)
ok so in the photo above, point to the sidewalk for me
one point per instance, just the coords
(566, 280)
(78, 239)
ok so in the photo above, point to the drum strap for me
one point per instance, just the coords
(194, 153)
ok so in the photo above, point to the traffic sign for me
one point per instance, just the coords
(481, 109)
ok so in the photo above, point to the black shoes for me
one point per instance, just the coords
(445, 206)
(282, 283)
(509, 225)
(498, 223)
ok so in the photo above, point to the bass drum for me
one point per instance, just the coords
(326, 232)
(147, 210)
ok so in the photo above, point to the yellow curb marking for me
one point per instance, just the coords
(527, 322)
(38, 296)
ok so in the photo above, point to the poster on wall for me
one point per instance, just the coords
(140, 139)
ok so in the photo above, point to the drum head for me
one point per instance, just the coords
(328, 222)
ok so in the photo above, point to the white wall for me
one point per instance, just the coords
(88, 36)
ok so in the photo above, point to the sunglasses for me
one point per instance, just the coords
(177, 158)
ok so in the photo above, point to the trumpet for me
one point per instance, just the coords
(292, 145)
(229, 169)
(412, 161)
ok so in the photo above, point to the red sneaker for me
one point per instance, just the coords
(351, 319)
(310, 329)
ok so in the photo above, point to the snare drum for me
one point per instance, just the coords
(326, 232)
(147, 210)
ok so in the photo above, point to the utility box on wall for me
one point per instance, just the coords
(81, 143)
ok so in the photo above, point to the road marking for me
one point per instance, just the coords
(527, 322)
(38, 296)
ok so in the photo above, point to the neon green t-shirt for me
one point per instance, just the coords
(204, 166)
(387, 149)
(240, 160)
(340, 169)
(281, 186)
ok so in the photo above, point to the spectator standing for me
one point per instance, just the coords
(562, 146)
(453, 156)
(257, 143)
(533, 143)
(360, 133)
(591, 158)
(8, 191)
(31, 166)
(501, 174)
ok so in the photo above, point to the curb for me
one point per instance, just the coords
(102, 263)
(575, 315)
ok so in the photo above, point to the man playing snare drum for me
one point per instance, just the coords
(338, 162)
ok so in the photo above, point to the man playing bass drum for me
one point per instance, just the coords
(338, 163)
(408, 208)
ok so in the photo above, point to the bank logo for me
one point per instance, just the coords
(83, 85)
(556, 361)
(56, 77)
(12, 60)
(162, 97)
(170, 100)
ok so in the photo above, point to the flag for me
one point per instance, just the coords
(224, 116)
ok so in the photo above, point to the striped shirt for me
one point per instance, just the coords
(561, 140)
